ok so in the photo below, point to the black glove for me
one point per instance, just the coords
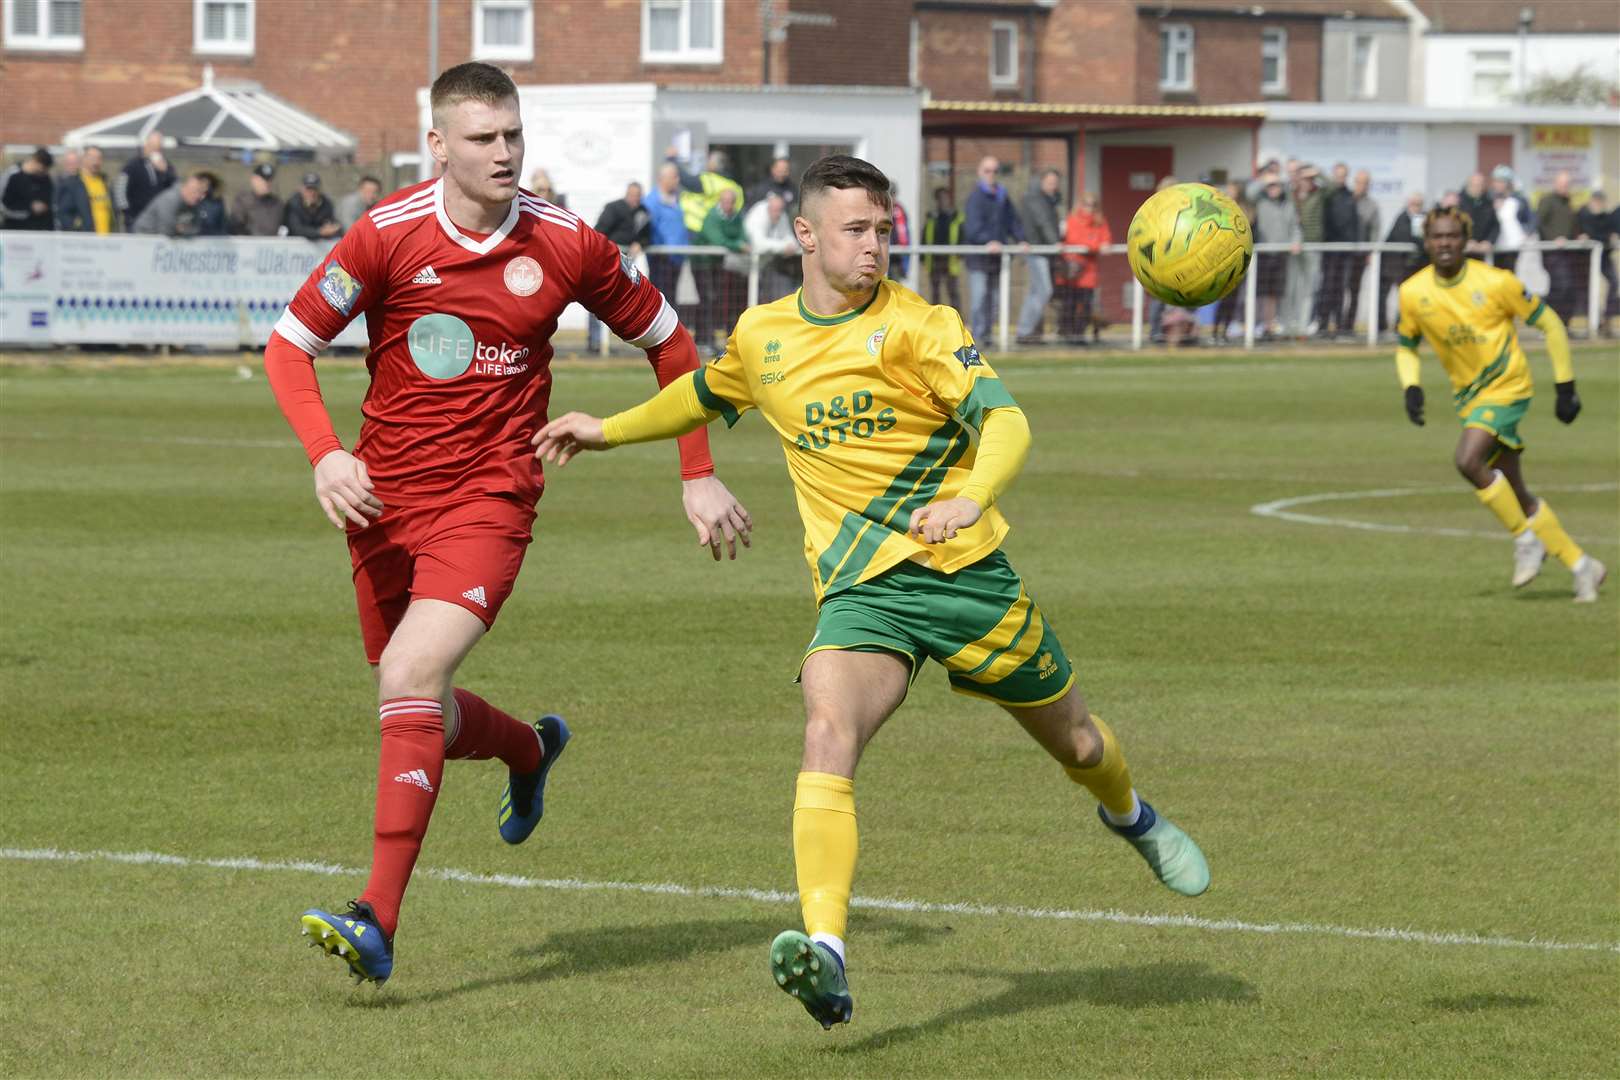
(1569, 402)
(1414, 405)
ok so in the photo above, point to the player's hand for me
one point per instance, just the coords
(1568, 406)
(1414, 404)
(344, 490)
(939, 521)
(716, 515)
(566, 436)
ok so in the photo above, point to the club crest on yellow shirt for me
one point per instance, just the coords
(875, 342)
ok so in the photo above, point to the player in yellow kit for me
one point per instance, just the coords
(1466, 310)
(877, 397)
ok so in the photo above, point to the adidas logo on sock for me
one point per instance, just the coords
(417, 777)
(426, 276)
(476, 595)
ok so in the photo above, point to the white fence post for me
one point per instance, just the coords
(1596, 295)
(1375, 294)
(1136, 313)
(1249, 312)
(1004, 301)
(753, 278)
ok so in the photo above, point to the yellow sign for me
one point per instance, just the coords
(1550, 137)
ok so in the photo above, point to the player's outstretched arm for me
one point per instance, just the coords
(1003, 447)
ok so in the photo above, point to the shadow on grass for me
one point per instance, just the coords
(664, 945)
(1123, 986)
(1471, 1003)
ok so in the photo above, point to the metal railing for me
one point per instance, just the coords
(1372, 282)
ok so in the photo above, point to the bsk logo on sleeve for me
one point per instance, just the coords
(339, 288)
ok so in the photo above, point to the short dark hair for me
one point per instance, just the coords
(843, 172)
(43, 156)
(1440, 212)
(472, 81)
(369, 180)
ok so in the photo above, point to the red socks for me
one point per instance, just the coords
(486, 732)
(409, 769)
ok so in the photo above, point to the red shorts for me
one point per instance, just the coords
(466, 553)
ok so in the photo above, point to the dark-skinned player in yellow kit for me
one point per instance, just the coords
(1466, 310)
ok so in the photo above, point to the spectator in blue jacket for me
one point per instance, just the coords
(667, 221)
(991, 220)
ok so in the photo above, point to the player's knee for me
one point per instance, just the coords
(408, 673)
(828, 734)
(1470, 463)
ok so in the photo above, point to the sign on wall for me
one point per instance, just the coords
(1561, 148)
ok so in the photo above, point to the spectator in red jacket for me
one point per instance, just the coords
(1087, 228)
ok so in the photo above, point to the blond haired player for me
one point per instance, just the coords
(1466, 309)
(877, 396)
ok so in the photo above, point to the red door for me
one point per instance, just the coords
(1494, 150)
(1129, 175)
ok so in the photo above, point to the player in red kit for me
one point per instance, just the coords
(461, 280)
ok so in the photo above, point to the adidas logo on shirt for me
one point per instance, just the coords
(426, 276)
(476, 595)
(417, 777)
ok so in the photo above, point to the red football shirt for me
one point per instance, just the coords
(460, 328)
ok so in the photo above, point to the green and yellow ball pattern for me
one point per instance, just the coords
(1190, 245)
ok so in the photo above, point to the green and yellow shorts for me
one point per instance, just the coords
(1500, 420)
(978, 622)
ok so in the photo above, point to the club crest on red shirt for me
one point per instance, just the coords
(523, 276)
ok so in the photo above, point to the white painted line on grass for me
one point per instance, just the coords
(1282, 510)
(773, 896)
(158, 440)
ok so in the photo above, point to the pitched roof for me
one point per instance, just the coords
(1321, 9)
(1551, 16)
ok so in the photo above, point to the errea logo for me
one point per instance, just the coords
(773, 351)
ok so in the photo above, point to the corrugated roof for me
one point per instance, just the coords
(235, 116)
(1551, 16)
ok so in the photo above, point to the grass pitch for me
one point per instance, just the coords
(1366, 730)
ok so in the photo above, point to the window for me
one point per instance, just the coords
(222, 26)
(1491, 76)
(503, 29)
(44, 24)
(1003, 54)
(1273, 61)
(1175, 57)
(1364, 67)
(682, 31)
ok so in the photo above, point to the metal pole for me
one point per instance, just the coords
(433, 40)
(1596, 295)
(1003, 339)
(1370, 275)
(1136, 314)
(1249, 289)
(753, 278)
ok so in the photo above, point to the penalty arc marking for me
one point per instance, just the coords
(1283, 510)
(775, 896)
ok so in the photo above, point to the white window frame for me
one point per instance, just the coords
(483, 50)
(43, 40)
(1006, 80)
(684, 53)
(1274, 45)
(1364, 81)
(1169, 33)
(221, 48)
(1494, 66)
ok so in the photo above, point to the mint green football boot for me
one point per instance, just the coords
(812, 973)
(1169, 851)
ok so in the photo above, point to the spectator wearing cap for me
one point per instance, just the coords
(309, 213)
(258, 211)
(84, 201)
(1599, 221)
(1514, 222)
(353, 206)
(1558, 227)
(27, 193)
(143, 179)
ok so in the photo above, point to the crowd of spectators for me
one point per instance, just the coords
(149, 195)
(1300, 293)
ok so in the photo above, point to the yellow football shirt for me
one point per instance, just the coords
(876, 409)
(1469, 321)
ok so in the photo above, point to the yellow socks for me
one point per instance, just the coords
(824, 847)
(1498, 497)
(1109, 779)
(1544, 523)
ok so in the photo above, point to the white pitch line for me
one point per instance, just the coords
(773, 896)
(159, 440)
(1281, 509)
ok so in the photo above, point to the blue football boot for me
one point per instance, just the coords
(354, 937)
(814, 974)
(1175, 859)
(523, 801)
